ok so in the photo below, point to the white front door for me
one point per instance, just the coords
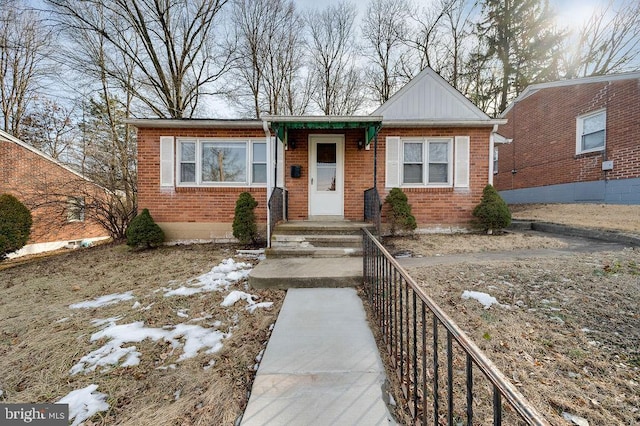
(326, 175)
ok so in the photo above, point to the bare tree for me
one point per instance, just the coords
(24, 44)
(170, 44)
(49, 127)
(608, 42)
(333, 54)
(458, 40)
(106, 146)
(384, 29)
(425, 40)
(269, 44)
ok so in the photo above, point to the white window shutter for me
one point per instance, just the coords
(461, 167)
(279, 162)
(166, 161)
(392, 174)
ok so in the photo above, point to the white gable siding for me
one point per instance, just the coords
(429, 97)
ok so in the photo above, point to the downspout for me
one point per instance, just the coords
(267, 134)
(375, 160)
(491, 154)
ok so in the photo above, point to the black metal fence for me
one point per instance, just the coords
(433, 358)
(278, 206)
(372, 207)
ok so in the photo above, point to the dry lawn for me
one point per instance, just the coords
(602, 216)
(567, 329)
(41, 338)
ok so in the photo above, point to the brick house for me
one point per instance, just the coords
(573, 141)
(54, 193)
(427, 139)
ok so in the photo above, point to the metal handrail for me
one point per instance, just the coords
(373, 207)
(396, 309)
(277, 206)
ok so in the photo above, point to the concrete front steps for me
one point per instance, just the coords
(312, 254)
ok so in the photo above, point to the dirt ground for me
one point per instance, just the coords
(602, 216)
(566, 331)
(41, 338)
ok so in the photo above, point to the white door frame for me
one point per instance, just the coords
(326, 203)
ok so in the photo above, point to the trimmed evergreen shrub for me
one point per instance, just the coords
(492, 212)
(400, 216)
(244, 219)
(143, 232)
(15, 225)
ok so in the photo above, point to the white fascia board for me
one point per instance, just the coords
(322, 118)
(193, 123)
(442, 123)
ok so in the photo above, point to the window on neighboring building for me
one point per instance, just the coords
(221, 162)
(426, 161)
(495, 161)
(75, 209)
(591, 132)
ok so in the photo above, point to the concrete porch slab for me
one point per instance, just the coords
(306, 272)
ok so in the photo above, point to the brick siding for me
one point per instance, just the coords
(431, 206)
(543, 128)
(39, 184)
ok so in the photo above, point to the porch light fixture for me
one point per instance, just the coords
(360, 144)
(291, 144)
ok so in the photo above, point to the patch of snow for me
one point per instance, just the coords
(61, 320)
(203, 318)
(166, 367)
(219, 278)
(576, 420)
(182, 313)
(485, 299)
(84, 403)
(264, 305)
(110, 354)
(109, 299)
(210, 364)
(148, 307)
(99, 322)
(235, 296)
(136, 305)
(176, 394)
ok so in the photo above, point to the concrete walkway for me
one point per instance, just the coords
(321, 365)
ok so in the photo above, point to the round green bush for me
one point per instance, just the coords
(400, 216)
(15, 225)
(143, 232)
(492, 212)
(245, 228)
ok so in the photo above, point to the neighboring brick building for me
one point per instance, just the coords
(54, 193)
(573, 141)
(429, 139)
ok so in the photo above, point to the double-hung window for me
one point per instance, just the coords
(427, 161)
(591, 132)
(213, 162)
(75, 209)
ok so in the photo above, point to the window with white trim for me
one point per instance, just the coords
(427, 161)
(495, 161)
(591, 132)
(75, 209)
(218, 162)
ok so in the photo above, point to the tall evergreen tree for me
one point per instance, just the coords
(520, 35)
